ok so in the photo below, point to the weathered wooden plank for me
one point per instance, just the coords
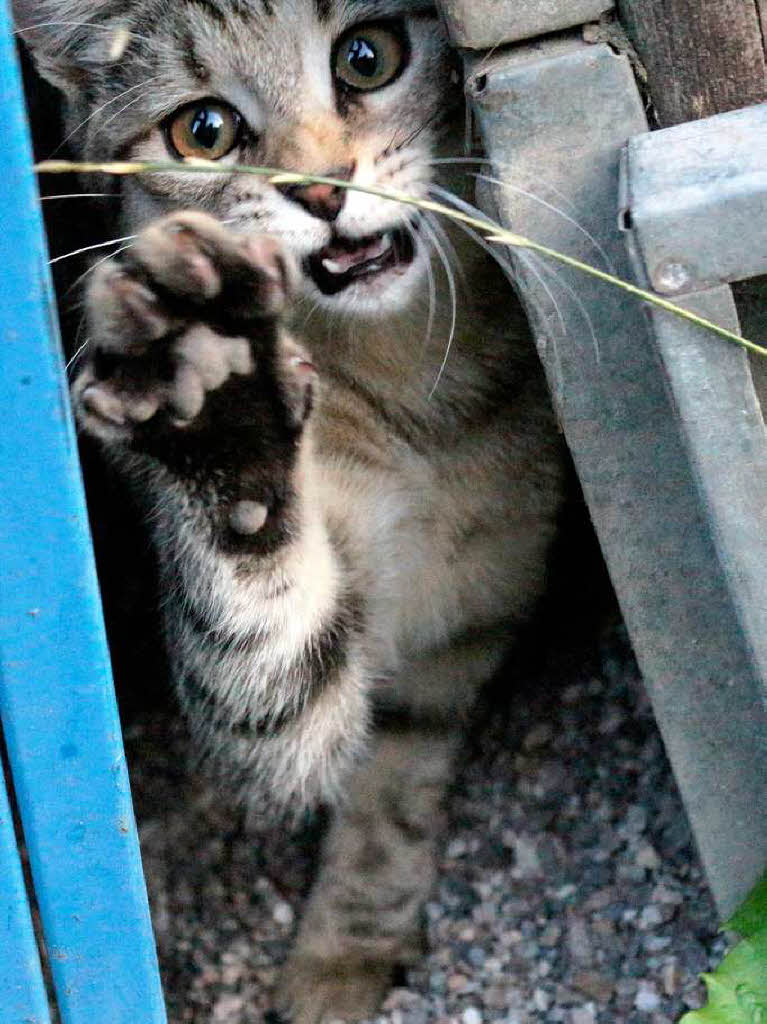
(702, 57)
(761, 6)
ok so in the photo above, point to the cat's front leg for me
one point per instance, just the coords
(196, 391)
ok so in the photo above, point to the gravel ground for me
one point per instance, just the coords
(569, 890)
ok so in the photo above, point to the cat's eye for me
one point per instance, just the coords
(206, 128)
(370, 56)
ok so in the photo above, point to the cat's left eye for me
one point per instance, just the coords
(205, 128)
(370, 56)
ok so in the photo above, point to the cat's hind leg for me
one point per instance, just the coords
(364, 916)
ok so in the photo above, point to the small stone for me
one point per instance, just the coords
(650, 917)
(579, 940)
(471, 1015)
(437, 981)
(671, 978)
(228, 1007)
(662, 894)
(603, 927)
(541, 1000)
(457, 983)
(434, 911)
(635, 821)
(583, 1014)
(247, 517)
(502, 996)
(626, 986)
(646, 857)
(594, 985)
(564, 997)
(611, 721)
(476, 957)
(657, 943)
(599, 900)
(283, 913)
(527, 863)
(550, 936)
(538, 736)
(647, 999)
(631, 873)
(456, 848)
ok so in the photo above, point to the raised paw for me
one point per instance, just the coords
(189, 308)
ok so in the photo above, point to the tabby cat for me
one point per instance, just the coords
(332, 408)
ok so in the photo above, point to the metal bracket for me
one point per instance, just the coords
(555, 116)
(697, 201)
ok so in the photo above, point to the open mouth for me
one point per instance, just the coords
(347, 260)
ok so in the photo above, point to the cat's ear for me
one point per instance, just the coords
(63, 37)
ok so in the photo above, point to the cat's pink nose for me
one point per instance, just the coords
(320, 200)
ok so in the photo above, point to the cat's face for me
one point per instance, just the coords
(356, 89)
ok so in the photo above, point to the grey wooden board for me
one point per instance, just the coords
(555, 116)
(476, 24)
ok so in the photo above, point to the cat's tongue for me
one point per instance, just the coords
(343, 256)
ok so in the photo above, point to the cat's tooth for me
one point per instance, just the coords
(333, 267)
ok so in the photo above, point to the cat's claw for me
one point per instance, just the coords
(189, 306)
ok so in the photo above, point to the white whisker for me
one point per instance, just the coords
(569, 290)
(103, 106)
(67, 24)
(560, 213)
(508, 270)
(448, 246)
(77, 354)
(90, 248)
(136, 99)
(425, 224)
(109, 256)
(432, 292)
(460, 204)
(540, 179)
(81, 195)
(528, 264)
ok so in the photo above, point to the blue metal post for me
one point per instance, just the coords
(56, 697)
(22, 992)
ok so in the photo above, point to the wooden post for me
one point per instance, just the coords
(702, 56)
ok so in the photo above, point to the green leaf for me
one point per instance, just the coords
(737, 989)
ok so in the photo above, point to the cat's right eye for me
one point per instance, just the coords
(206, 128)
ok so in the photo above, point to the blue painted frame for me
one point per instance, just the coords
(57, 704)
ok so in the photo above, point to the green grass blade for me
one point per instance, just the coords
(492, 231)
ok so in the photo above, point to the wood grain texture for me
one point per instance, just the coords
(702, 56)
